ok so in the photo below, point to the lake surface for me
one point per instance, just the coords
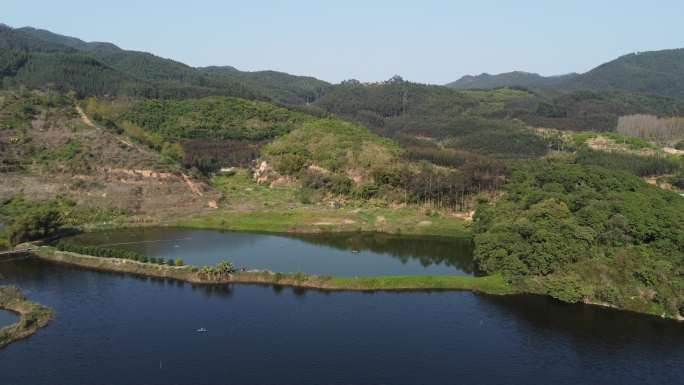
(7, 318)
(348, 254)
(119, 329)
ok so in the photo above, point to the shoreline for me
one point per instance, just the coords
(489, 285)
(492, 285)
(33, 316)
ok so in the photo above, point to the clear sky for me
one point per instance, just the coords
(425, 41)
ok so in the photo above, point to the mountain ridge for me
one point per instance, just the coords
(508, 79)
(38, 58)
(658, 72)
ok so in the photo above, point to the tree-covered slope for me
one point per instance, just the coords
(586, 233)
(114, 71)
(281, 87)
(206, 133)
(397, 107)
(213, 118)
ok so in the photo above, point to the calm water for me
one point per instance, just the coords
(7, 318)
(334, 254)
(117, 329)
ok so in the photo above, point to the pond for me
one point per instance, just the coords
(7, 318)
(119, 329)
(346, 254)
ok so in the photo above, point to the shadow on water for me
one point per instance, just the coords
(582, 322)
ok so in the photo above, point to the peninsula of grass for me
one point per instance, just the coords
(33, 316)
(494, 284)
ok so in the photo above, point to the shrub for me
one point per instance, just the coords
(36, 224)
(102, 252)
(634, 164)
(290, 164)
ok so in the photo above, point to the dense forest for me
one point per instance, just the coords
(584, 232)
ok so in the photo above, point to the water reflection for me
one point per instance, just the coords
(581, 323)
(7, 318)
(345, 254)
(427, 250)
(259, 334)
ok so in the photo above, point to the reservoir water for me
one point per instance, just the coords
(119, 329)
(347, 254)
(7, 318)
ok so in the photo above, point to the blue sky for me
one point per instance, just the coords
(425, 41)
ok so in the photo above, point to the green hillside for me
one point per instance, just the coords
(206, 133)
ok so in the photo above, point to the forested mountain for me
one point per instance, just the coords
(42, 59)
(280, 86)
(397, 106)
(509, 79)
(656, 72)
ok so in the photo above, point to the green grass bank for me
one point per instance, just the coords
(33, 316)
(494, 284)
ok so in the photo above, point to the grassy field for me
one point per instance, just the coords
(412, 221)
(248, 206)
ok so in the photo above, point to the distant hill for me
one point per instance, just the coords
(509, 79)
(41, 59)
(656, 72)
(398, 107)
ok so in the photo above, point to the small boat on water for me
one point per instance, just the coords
(355, 251)
(202, 330)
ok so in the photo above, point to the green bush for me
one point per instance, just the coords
(575, 231)
(291, 164)
(103, 252)
(36, 224)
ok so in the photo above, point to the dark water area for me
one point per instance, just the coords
(347, 254)
(119, 329)
(7, 318)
